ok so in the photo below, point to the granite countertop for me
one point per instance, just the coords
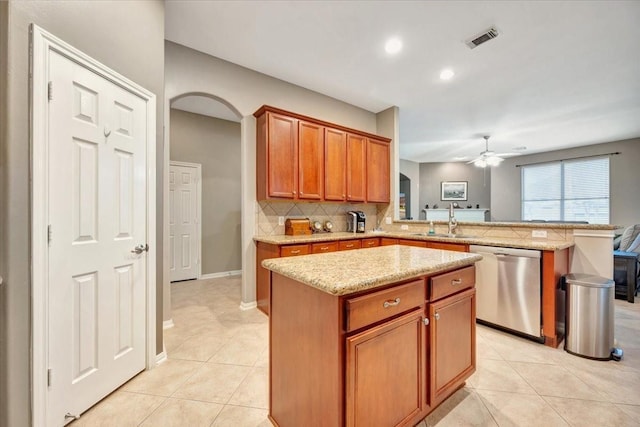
(545, 245)
(523, 224)
(363, 269)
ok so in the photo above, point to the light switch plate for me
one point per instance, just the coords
(387, 220)
(280, 220)
(539, 233)
(404, 227)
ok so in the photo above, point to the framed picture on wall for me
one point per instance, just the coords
(453, 190)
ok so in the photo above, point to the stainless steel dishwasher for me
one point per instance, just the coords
(508, 290)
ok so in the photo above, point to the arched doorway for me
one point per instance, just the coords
(203, 130)
(404, 200)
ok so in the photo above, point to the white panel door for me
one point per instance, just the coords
(97, 211)
(184, 212)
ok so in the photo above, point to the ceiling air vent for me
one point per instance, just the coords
(483, 37)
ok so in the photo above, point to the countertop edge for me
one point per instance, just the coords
(483, 241)
(369, 283)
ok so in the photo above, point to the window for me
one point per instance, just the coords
(569, 190)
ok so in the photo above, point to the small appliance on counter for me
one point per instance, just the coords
(356, 221)
(297, 227)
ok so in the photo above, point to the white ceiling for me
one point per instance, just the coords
(560, 74)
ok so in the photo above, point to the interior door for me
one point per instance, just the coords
(97, 213)
(184, 235)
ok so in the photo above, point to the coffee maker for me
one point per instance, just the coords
(356, 221)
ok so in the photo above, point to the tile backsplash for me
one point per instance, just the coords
(267, 214)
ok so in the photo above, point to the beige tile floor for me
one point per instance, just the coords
(217, 372)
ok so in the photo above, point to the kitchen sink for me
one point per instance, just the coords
(451, 236)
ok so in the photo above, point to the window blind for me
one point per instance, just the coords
(571, 190)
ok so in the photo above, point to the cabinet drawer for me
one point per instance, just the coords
(448, 246)
(371, 242)
(345, 245)
(320, 248)
(407, 242)
(450, 283)
(294, 250)
(371, 308)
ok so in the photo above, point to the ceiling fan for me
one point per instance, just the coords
(487, 157)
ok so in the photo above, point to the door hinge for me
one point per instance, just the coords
(49, 376)
(49, 234)
(50, 91)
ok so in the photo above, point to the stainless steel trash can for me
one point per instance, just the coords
(589, 316)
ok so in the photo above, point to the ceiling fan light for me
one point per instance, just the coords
(481, 163)
(494, 161)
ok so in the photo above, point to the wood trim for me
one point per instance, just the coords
(554, 265)
(269, 108)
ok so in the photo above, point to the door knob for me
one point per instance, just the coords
(140, 248)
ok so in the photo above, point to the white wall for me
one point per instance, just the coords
(127, 37)
(625, 193)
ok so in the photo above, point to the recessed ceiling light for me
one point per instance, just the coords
(393, 45)
(447, 74)
(521, 148)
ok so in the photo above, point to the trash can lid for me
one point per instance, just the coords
(588, 280)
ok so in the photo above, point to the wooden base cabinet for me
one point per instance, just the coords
(389, 357)
(386, 357)
(453, 354)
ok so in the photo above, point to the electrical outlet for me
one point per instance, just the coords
(404, 227)
(539, 233)
(387, 220)
(280, 220)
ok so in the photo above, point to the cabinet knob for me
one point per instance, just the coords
(437, 316)
(294, 192)
(425, 321)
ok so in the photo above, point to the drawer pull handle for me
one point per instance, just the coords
(391, 303)
(324, 248)
(297, 251)
(456, 282)
(350, 246)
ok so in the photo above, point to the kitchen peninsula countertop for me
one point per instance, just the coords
(363, 269)
(540, 244)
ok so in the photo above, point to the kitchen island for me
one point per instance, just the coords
(377, 336)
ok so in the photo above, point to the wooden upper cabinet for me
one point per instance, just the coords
(378, 171)
(310, 161)
(276, 152)
(301, 158)
(335, 165)
(356, 168)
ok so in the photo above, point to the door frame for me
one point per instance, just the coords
(198, 168)
(41, 43)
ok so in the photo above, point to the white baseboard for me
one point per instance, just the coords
(162, 357)
(168, 324)
(248, 305)
(220, 274)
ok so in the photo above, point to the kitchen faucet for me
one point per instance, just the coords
(452, 221)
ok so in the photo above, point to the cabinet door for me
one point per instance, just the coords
(378, 171)
(263, 276)
(282, 169)
(335, 165)
(453, 353)
(310, 161)
(356, 168)
(385, 372)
